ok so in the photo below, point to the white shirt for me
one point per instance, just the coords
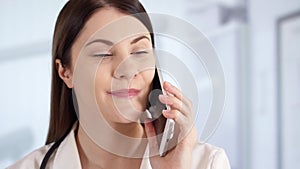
(66, 156)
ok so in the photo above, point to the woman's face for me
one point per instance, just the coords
(113, 57)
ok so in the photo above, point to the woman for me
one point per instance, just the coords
(121, 87)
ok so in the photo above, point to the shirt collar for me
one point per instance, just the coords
(67, 153)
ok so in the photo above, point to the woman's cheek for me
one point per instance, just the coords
(148, 76)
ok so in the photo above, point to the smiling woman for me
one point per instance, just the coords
(103, 56)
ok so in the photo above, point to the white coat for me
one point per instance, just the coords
(66, 156)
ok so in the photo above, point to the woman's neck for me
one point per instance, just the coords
(93, 156)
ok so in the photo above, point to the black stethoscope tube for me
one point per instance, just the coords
(51, 150)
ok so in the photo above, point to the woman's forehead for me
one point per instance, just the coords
(111, 24)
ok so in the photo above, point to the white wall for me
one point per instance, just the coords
(26, 32)
(263, 16)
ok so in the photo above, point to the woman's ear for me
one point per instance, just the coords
(64, 73)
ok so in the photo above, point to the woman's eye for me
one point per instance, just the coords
(102, 54)
(140, 52)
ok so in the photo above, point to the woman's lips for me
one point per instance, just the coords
(124, 93)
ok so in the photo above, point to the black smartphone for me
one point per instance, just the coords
(164, 127)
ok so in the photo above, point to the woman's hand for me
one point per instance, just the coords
(181, 112)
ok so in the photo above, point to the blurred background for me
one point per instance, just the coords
(258, 45)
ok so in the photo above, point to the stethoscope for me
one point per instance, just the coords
(51, 150)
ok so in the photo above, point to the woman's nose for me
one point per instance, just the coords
(126, 69)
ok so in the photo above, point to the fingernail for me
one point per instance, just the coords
(168, 84)
(163, 97)
(166, 111)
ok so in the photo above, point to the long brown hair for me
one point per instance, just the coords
(69, 23)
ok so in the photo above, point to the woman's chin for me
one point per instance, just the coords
(122, 111)
(131, 115)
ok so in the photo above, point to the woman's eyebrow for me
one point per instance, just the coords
(138, 39)
(107, 42)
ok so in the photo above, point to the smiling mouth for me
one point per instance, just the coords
(124, 93)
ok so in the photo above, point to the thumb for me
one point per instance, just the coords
(151, 136)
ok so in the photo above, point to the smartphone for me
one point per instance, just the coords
(164, 127)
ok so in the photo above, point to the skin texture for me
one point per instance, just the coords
(115, 69)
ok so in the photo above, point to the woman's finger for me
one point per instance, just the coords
(176, 92)
(174, 114)
(178, 117)
(185, 124)
(175, 103)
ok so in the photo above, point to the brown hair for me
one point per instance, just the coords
(69, 23)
